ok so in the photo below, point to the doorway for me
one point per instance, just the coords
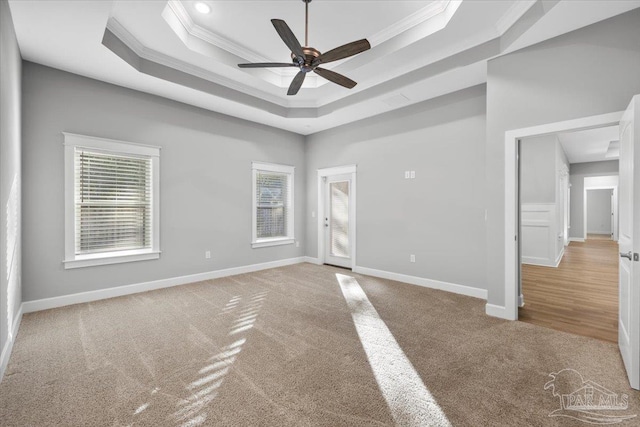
(600, 210)
(337, 216)
(511, 204)
(569, 286)
(599, 214)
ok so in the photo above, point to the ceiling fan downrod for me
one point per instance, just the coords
(306, 22)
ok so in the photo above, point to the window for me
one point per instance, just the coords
(272, 205)
(111, 201)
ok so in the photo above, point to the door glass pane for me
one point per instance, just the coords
(339, 227)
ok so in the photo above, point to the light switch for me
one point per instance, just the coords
(407, 174)
(413, 174)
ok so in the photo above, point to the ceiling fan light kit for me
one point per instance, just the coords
(308, 59)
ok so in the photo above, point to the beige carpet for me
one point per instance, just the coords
(291, 347)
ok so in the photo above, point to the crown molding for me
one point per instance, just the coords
(210, 37)
(432, 10)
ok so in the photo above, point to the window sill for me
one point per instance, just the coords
(263, 243)
(110, 258)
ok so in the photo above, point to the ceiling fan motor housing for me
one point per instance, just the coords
(310, 54)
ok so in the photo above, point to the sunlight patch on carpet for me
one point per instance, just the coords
(408, 399)
(192, 411)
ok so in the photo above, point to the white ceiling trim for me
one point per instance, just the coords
(210, 37)
(432, 10)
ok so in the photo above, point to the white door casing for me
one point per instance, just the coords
(613, 212)
(326, 177)
(566, 202)
(509, 309)
(629, 243)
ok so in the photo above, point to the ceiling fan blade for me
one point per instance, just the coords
(336, 78)
(288, 38)
(343, 51)
(296, 83)
(267, 65)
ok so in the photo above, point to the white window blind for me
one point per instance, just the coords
(273, 204)
(112, 202)
(112, 208)
(272, 195)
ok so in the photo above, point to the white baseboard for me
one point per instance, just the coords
(61, 301)
(8, 346)
(560, 255)
(543, 262)
(576, 239)
(427, 283)
(499, 311)
(312, 260)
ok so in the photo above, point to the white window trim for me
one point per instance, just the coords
(71, 141)
(272, 241)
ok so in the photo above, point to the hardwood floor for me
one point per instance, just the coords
(580, 296)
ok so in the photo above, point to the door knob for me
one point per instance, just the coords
(627, 255)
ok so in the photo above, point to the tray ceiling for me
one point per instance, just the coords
(420, 49)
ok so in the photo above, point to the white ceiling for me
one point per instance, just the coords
(589, 145)
(420, 49)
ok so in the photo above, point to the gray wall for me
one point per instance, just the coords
(577, 173)
(10, 148)
(439, 215)
(538, 169)
(599, 211)
(205, 180)
(593, 70)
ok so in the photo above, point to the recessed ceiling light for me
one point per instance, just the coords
(202, 7)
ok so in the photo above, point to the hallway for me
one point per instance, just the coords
(580, 296)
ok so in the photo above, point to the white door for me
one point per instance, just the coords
(337, 227)
(629, 243)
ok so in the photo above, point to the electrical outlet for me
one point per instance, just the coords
(413, 174)
(412, 258)
(313, 214)
(407, 174)
(297, 244)
(207, 254)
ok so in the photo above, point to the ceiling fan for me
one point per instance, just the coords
(308, 59)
